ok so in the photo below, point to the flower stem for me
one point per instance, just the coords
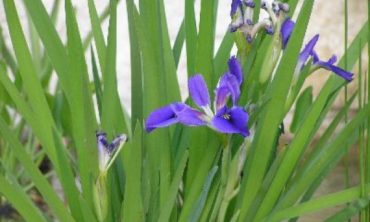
(225, 170)
(101, 197)
(225, 165)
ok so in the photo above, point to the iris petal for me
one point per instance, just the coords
(198, 90)
(174, 113)
(337, 70)
(161, 117)
(315, 57)
(286, 31)
(187, 115)
(329, 65)
(222, 94)
(235, 69)
(332, 60)
(234, 120)
(228, 85)
(249, 3)
(235, 4)
(307, 51)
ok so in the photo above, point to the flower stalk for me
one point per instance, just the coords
(230, 177)
(101, 197)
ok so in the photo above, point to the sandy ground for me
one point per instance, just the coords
(327, 19)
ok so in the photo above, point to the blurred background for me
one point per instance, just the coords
(327, 19)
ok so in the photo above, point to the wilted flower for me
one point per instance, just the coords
(309, 52)
(108, 151)
(242, 17)
(221, 118)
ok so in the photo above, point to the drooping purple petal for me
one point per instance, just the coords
(348, 76)
(307, 51)
(236, 69)
(329, 65)
(198, 90)
(227, 86)
(235, 4)
(286, 31)
(174, 113)
(161, 117)
(187, 115)
(234, 120)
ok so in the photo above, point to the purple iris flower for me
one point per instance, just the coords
(286, 30)
(329, 65)
(221, 118)
(308, 51)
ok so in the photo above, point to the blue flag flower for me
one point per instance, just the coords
(222, 118)
(309, 52)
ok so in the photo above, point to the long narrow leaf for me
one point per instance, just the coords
(265, 136)
(20, 201)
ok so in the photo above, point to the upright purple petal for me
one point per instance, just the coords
(235, 4)
(161, 117)
(348, 76)
(187, 115)
(332, 60)
(234, 120)
(236, 69)
(315, 57)
(307, 51)
(286, 31)
(222, 95)
(228, 85)
(198, 90)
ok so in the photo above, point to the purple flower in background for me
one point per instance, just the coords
(286, 31)
(329, 65)
(308, 51)
(222, 119)
(237, 15)
(243, 21)
(235, 5)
